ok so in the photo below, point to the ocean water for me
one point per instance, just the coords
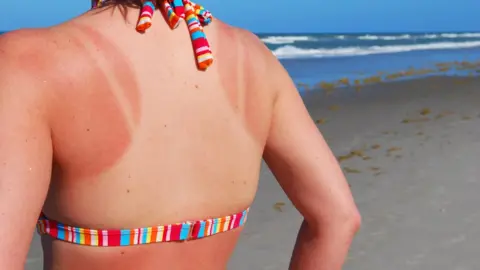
(312, 58)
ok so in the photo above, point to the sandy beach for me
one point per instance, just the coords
(410, 151)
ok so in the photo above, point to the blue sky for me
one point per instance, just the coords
(271, 16)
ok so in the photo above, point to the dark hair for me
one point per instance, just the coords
(125, 3)
(122, 5)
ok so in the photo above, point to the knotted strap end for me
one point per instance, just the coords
(205, 64)
(146, 15)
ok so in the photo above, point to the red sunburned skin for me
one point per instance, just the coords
(113, 98)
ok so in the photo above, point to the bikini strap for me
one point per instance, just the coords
(177, 232)
(196, 17)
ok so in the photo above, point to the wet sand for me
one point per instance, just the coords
(410, 151)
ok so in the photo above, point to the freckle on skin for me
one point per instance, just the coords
(128, 190)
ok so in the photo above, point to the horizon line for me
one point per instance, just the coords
(369, 32)
(341, 33)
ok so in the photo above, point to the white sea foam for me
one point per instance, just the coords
(285, 40)
(278, 40)
(290, 51)
(425, 36)
(373, 37)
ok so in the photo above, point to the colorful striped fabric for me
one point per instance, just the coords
(146, 15)
(195, 15)
(113, 238)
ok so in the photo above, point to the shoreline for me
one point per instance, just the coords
(360, 80)
(413, 102)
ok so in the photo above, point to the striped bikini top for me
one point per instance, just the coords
(176, 11)
(185, 231)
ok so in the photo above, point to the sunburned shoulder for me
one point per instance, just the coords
(252, 41)
(24, 61)
(34, 55)
(255, 50)
(263, 63)
(15, 49)
(245, 36)
(25, 51)
(15, 44)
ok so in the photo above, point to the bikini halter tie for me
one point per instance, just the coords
(176, 11)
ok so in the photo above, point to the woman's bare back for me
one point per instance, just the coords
(142, 138)
(138, 137)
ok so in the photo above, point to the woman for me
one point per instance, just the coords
(138, 154)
